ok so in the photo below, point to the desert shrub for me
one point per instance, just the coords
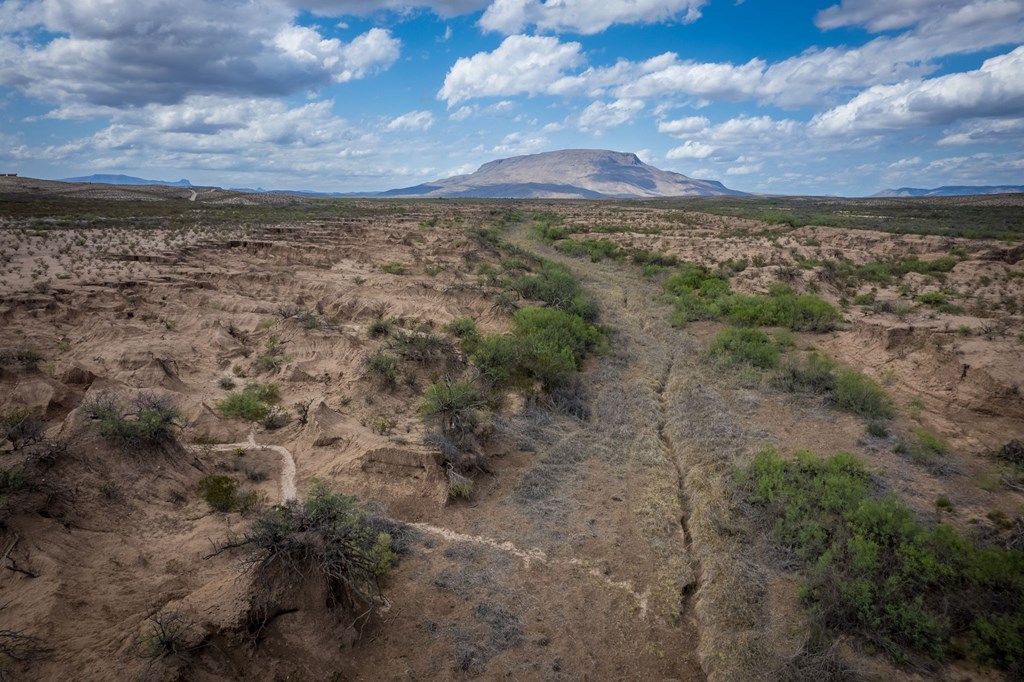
(815, 374)
(23, 357)
(498, 358)
(384, 366)
(393, 268)
(556, 286)
(741, 345)
(862, 395)
(169, 634)
(703, 295)
(381, 326)
(874, 570)
(454, 405)
(327, 536)
(925, 447)
(878, 428)
(783, 308)
(935, 298)
(21, 426)
(459, 486)
(149, 425)
(419, 346)
(462, 327)
(222, 494)
(271, 358)
(864, 299)
(595, 249)
(546, 345)
(251, 403)
(547, 326)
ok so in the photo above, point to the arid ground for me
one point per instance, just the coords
(608, 534)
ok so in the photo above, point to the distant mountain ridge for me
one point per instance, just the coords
(126, 180)
(950, 191)
(568, 174)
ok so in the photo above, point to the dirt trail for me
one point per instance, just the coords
(287, 460)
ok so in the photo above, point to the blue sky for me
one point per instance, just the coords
(835, 97)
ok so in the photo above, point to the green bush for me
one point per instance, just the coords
(703, 295)
(498, 358)
(862, 395)
(251, 403)
(148, 426)
(454, 404)
(419, 346)
(384, 366)
(815, 374)
(546, 345)
(556, 286)
(935, 298)
(21, 426)
(924, 447)
(219, 491)
(393, 268)
(381, 326)
(741, 345)
(327, 537)
(462, 327)
(875, 570)
(864, 299)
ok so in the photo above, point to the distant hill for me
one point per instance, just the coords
(950, 191)
(126, 180)
(569, 174)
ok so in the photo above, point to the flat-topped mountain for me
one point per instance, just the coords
(569, 174)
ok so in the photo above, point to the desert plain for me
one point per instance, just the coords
(598, 525)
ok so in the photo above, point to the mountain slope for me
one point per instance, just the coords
(126, 180)
(950, 191)
(570, 173)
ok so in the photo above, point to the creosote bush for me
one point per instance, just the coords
(149, 425)
(253, 403)
(873, 569)
(862, 395)
(222, 494)
(742, 345)
(546, 345)
(700, 294)
(383, 366)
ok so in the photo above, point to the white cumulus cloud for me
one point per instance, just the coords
(414, 120)
(995, 89)
(690, 150)
(599, 116)
(520, 65)
(584, 16)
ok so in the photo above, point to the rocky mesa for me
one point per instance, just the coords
(567, 174)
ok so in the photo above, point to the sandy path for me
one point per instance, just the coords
(287, 460)
(536, 555)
